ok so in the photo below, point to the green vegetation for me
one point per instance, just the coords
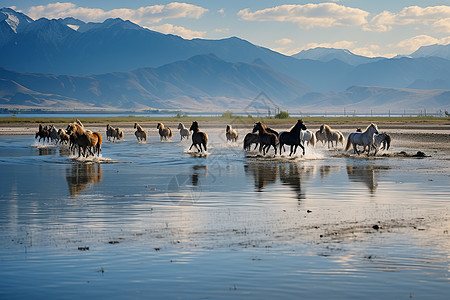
(228, 114)
(282, 115)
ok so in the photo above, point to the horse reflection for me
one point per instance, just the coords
(292, 176)
(198, 171)
(366, 175)
(263, 174)
(82, 176)
(327, 170)
(47, 151)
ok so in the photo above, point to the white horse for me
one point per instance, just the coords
(365, 139)
(307, 136)
(184, 132)
(231, 134)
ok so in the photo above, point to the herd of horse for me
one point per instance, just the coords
(86, 142)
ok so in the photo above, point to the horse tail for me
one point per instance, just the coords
(341, 138)
(170, 132)
(388, 141)
(204, 140)
(313, 139)
(349, 144)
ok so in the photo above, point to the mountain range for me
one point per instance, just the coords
(118, 64)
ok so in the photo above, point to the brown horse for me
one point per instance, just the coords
(98, 145)
(266, 139)
(198, 138)
(140, 133)
(43, 133)
(164, 133)
(292, 137)
(63, 137)
(85, 140)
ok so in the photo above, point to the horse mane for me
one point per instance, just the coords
(326, 127)
(371, 124)
(138, 127)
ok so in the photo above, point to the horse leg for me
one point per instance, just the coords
(303, 148)
(355, 150)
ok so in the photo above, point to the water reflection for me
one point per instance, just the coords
(46, 151)
(82, 176)
(197, 172)
(263, 174)
(289, 174)
(366, 175)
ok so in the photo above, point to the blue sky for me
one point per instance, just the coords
(366, 27)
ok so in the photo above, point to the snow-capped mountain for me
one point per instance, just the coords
(328, 54)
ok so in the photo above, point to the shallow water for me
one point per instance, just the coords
(157, 221)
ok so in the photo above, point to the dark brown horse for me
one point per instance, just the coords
(43, 133)
(249, 139)
(266, 139)
(292, 137)
(198, 138)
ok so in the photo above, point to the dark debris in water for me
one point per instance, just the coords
(83, 248)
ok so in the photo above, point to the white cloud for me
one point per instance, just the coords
(284, 41)
(412, 44)
(309, 15)
(178, 30)
(143, 15)
(222, 30)
(438, 17)
(221, 11)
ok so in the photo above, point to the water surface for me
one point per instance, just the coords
(153, 220)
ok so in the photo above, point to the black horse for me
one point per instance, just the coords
(292, 137)
(198, 138)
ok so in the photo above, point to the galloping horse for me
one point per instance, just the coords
(231, 134)
(63, 137)
(292, 137)
(382, 139)
(54, 136)
(266, 139)
(332, 135)
(110, 131)
(321, 136)
(84, 139)
(43, 133)
(164, 133)
(184, 132)
(249, 139)
(140, 133)
(365, 139)
(118, 134)
(307, 136)
(198, 138)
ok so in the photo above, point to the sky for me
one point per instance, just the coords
(365, 27)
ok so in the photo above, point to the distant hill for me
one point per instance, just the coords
(117, 63)
(202, 82)
(442, 51)
(379, 99)
(329, 54)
